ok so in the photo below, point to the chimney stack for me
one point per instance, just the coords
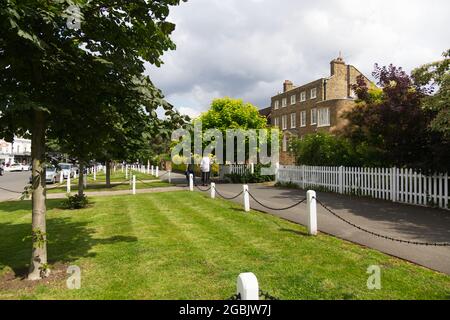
(287, 85)
(338, 65)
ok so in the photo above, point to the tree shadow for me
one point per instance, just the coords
(68, 240)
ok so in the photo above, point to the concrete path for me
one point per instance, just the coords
(392, 219)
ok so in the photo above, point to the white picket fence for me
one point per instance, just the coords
(398, 185)
(237, 169)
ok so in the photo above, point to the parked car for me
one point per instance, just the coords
(51, 175)
(17, 167)
(66, 169)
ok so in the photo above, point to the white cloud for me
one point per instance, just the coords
(246, 49)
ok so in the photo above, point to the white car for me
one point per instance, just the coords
(66, 169)
(17, 167)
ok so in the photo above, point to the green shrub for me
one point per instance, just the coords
(76, 202)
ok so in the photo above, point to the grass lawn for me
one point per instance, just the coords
(114, 187)
(183, 245)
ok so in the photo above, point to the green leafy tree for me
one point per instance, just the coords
(52, 73)
(437, 76)
(393, 126)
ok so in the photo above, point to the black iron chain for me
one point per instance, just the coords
(203, 190)
(235, 297)
(418, 243)
(12, 191)
(276, 209)
(227, 198)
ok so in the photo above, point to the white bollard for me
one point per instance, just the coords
(246, 198)
(152, 171)
(252, 168)
(95, 174)
(61, 177)
(134, 185)
(312, 212)
(68, 183)
(213, 190)
(148, 169)
(247, 286)
(169, 174)
(191, 182)
(126, 172)
(157, 172)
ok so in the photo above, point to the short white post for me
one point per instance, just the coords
(61, 177)
(191, 182)
(152, 171)
(252, 168)
(157, 172)
(126, 172)
(68, 183)
(246, 198)
(169, 174)
(247, 286)
(312, 212)
(95, 173)
(134, 185)
(213, 190)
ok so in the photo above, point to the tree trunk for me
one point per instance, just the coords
(38, 266)
(108, 174)
(81, 178)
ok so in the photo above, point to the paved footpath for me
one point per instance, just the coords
(391, 219)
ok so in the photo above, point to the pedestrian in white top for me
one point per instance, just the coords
(205, 167)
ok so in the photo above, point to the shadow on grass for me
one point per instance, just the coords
(296, 232)
(68, 240)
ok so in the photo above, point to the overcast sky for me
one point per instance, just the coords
(247, 48)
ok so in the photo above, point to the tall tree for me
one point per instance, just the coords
(48, 68)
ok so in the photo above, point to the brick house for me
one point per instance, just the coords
(315, 106)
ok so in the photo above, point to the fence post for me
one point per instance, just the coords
(153, 171)
(61, 177)
(95, 173)
(312, 212)
(341, 179)
(68, 183)
(191, 182)
(247, 286)
(246, 198)
(393, 187)
(213, 190)
(75, 174)
(134, 185)
(157, 172)
(303, 177)
(169, 174)
(126, 172)
(252, 168)
(277, 170)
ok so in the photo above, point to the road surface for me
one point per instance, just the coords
(13, 181)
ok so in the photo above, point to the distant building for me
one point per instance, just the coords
(266, 112)
(17, 152)
(315, 106)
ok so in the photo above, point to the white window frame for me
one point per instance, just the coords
(284, 103)
(313, 93)
(276, 104)
(314, 116)
(284, 124)
(303, 119)
(293, 99)
(293, 120)
(303, 96)
(323, 121)
(276, 122)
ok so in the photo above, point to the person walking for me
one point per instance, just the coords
(189, 171)
(205, 167)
